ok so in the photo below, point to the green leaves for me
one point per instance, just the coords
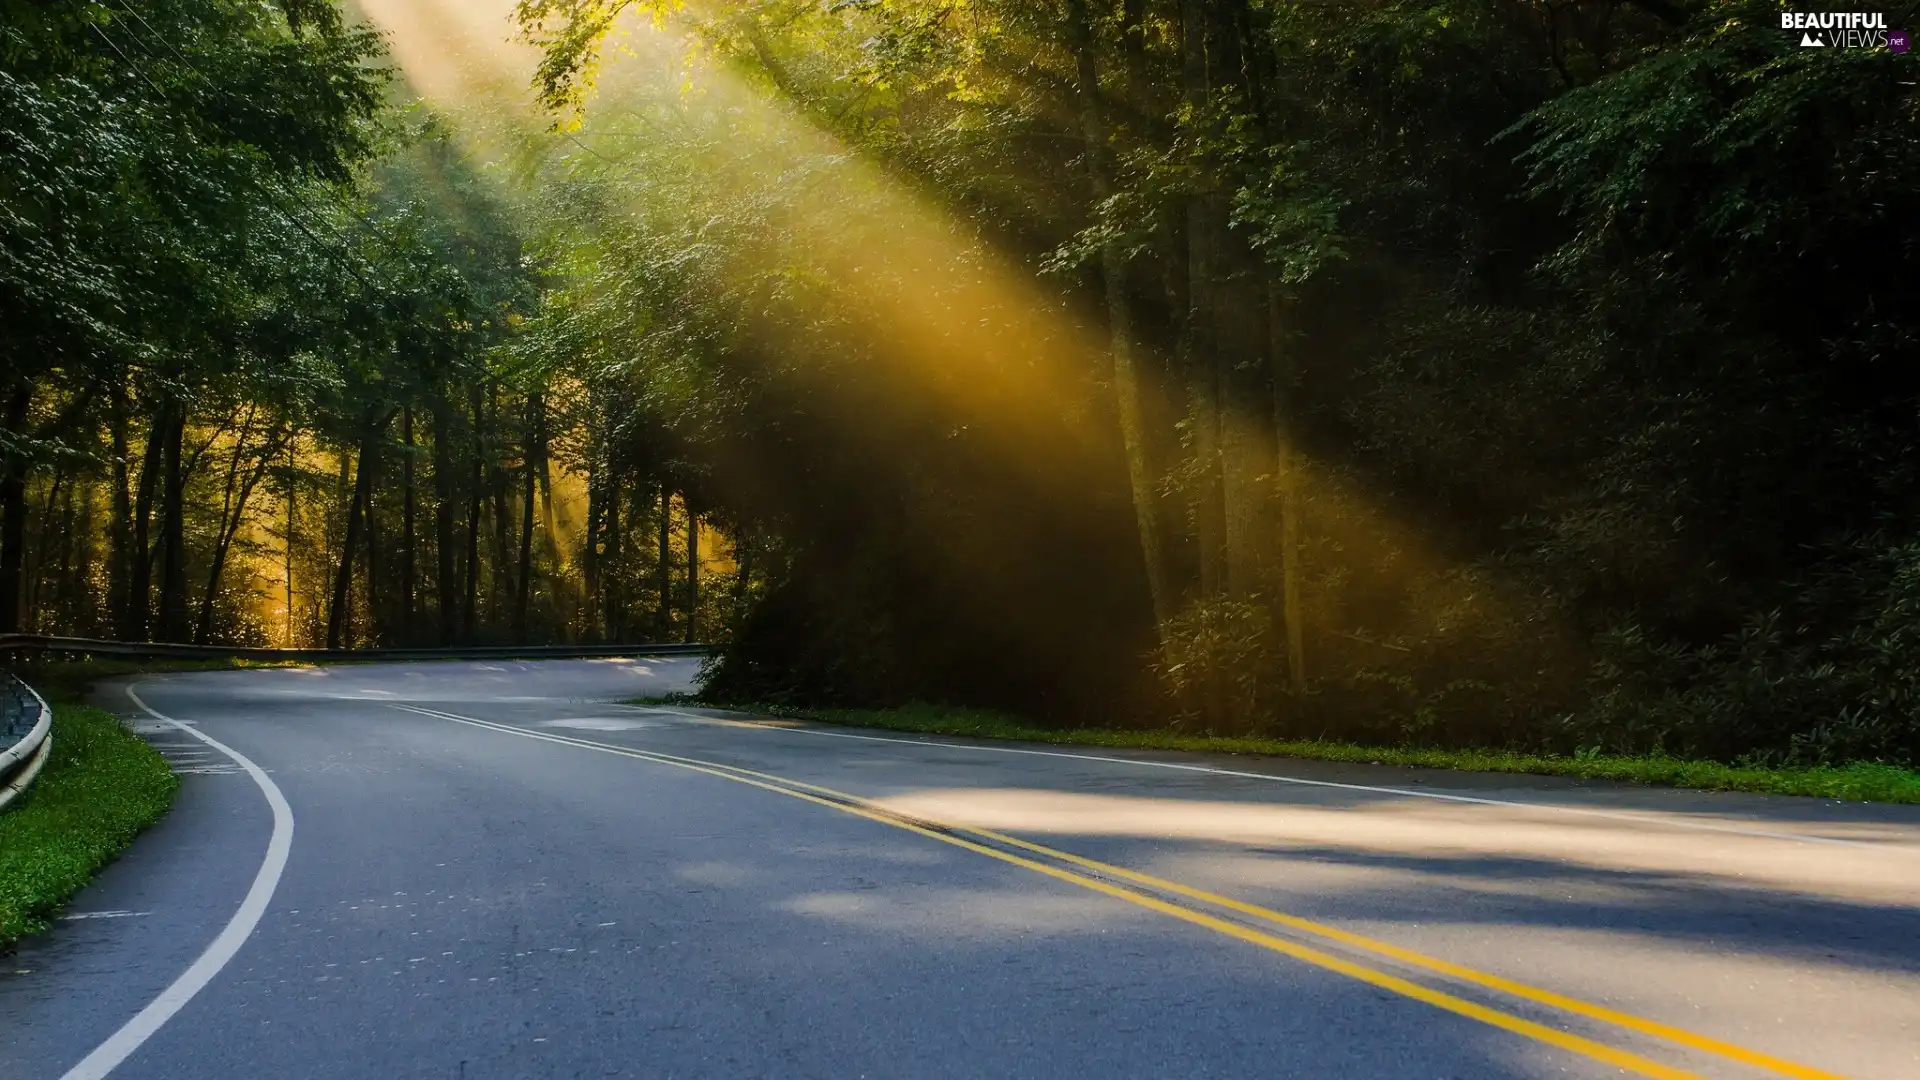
(1293, 221)
(162, 163)
(1734, 154)
(571, 35)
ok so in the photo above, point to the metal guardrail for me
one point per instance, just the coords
(26, 737)
(19, 710)
(43, 644)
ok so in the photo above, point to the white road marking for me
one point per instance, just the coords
(1651, 818)
(104, 914)
(122, 1043)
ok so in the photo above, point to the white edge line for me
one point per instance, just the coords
(109, 1054)
(1278, 778)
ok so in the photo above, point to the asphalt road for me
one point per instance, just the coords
(489, 870)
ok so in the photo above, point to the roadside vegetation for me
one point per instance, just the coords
(257, 376)
(1860, 782)
(101, 787)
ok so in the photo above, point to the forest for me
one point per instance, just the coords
(1516, 373)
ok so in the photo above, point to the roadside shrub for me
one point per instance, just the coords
(1827, 678)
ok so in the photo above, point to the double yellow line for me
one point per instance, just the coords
(994, 845)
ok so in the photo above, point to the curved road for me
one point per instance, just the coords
(492, 870)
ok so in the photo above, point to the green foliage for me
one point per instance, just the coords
(101, 788)
(155, 166)
(1829, 679)
(1590, 323)
(223, 254)
(1546, 376)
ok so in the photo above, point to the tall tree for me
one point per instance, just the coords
(407, 564)
(1113, 273)
(663, 576)
(447, 587)
(693, 576)
(338, 626)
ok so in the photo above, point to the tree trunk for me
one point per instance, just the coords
(1203, 407)
(44, 543)
(48, 606)
(1126, 385)
(470, 600)
(345, 495)
(589, 550)
(742, 578)
(204, 624)
(293, 464)
(693, 576)
(470, 606)
(663, 615)
(13, 513)
(119, 529)
(502, 588)
(1197, 338)
(614, 596)
(77, 595)
(406, 527)
(230, 528)
(444, 583)
(140, 564)
(549, 524)
(1240, 344)
(1244, 456)
(173, 564)
(343, 576)
(1287, 487)
(531, 460)
(378, 629)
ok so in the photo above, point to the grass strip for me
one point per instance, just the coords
(102, 786)
(1862, 782)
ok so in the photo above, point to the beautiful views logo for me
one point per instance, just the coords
(1843, 30)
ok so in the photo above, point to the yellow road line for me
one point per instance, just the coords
(1439, 999)
(1692, 1040)
(1537, 995)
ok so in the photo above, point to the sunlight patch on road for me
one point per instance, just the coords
(1424, 831)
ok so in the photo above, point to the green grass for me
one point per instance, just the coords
(102, 785)
(1860, 782)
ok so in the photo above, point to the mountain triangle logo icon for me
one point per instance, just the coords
(1808, 41)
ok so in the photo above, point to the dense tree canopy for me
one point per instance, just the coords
(255, 308)
(1480, 371)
